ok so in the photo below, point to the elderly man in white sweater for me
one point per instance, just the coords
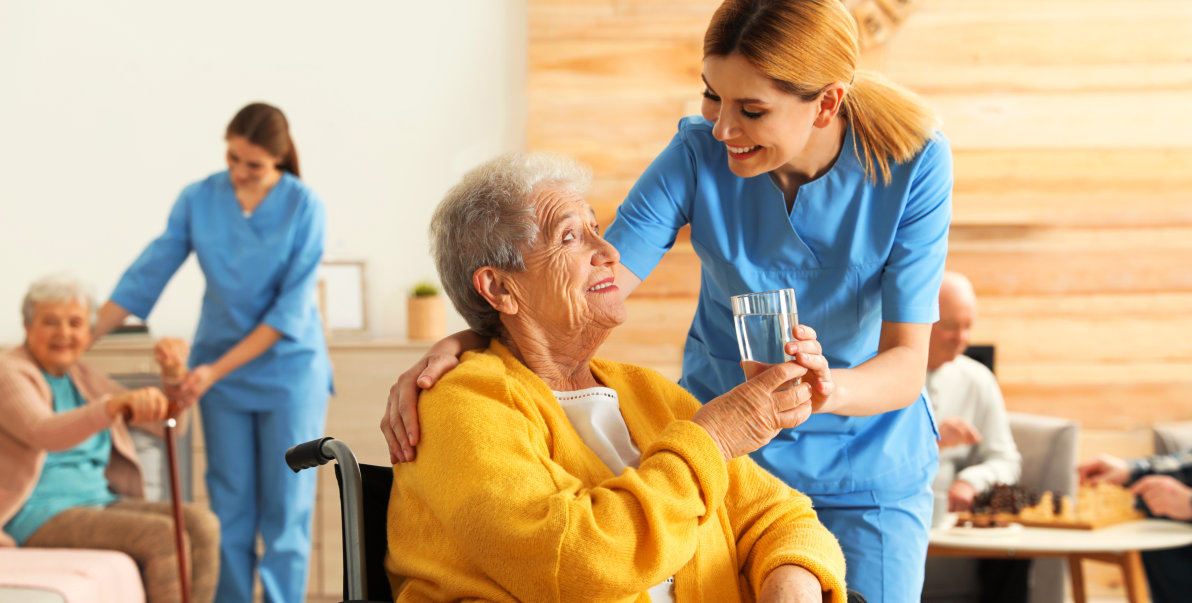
(976, 448)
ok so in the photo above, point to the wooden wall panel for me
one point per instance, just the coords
(1073, 181)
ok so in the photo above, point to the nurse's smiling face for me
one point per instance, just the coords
(250, 167)
(763, 128)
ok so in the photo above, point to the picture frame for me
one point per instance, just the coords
(343, 297)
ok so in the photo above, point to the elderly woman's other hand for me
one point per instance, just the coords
(1104, 468)
(751, 414)
(170, 354)
(790, 583)
(147, 404)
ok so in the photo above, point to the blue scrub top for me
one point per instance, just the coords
(856, 253)
(260, 268)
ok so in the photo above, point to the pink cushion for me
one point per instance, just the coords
(77, 574)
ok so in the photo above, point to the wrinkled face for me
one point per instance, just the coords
(59, 334)
(250, 166)
(568, 282)
(950, 336)
(763, 127)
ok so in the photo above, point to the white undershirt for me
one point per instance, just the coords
(595, 413)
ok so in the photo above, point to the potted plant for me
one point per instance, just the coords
(425, 316)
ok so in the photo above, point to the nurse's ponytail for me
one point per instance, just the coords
(806, 45)
(266, 126)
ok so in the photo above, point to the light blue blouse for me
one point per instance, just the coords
(260, 268)
(857, 254)
(74, 477)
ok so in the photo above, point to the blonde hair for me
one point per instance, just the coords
(806, 45)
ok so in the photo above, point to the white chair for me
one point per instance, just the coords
(1172, 437)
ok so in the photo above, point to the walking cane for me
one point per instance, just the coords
(176, 502)
(172, 372)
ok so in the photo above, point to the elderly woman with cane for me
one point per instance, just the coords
(607, 481)
(71, 478)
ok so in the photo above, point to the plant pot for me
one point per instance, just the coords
(426, 318)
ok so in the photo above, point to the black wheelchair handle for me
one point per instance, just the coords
(308, 454)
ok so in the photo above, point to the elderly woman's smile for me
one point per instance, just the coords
(58, 334)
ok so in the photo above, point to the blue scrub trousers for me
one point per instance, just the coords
(253, 491)
(884, 536)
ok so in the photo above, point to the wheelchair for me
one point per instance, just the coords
(364, 507)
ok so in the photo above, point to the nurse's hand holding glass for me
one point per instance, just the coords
(769, 333)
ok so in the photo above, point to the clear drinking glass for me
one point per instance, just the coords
(765, 322)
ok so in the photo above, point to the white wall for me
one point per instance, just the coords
(108, 109)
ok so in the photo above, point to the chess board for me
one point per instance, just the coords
(1093, 507)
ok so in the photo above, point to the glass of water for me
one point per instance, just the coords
(765, 322)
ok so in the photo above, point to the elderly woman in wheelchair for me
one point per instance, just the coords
(544, 473)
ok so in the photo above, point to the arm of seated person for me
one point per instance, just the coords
(27, 417)
(775, 527)
(791, 583)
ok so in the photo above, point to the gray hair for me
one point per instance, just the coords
(56, 288)
(487, 219)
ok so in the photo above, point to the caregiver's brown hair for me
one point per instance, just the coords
(266, 126)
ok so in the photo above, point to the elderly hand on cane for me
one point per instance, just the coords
(170, 354)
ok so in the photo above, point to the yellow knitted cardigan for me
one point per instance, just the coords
(506, 503)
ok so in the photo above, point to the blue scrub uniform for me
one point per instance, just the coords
(259, 269)
(857, 254)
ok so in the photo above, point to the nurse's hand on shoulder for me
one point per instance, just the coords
(197, 382)
(807, 352)
(147, 404)
(399, 424)
(751, 414)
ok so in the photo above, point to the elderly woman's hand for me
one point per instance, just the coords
(806, 351)
(751, 414)
(170, 354)
(139, 405)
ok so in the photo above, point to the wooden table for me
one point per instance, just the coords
(1120, 544)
